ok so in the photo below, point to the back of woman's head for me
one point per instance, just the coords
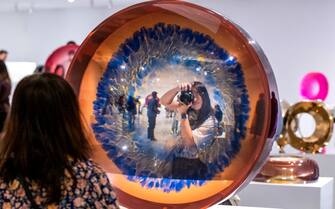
(43, 132)
(3, 71)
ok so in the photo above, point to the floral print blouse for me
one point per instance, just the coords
(93, 190)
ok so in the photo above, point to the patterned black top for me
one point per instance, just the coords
(93, 190)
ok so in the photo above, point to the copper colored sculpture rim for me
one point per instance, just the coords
(91, 43)
(273, 132)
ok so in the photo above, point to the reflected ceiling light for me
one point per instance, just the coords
(70, 1)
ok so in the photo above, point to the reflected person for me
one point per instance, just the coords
(152, 113)
(197, 129)
(121, 106)
(131, 109)
(138, 105)
(218, 114)
(258, 121)
(274, 114)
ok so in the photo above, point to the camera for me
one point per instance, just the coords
(186, 97)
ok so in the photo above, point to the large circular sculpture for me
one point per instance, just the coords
(182, 102)
(59, 61)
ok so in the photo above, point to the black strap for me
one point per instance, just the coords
(28, 193)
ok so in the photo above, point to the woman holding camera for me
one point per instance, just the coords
(197, 128)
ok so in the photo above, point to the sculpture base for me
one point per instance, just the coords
(288, 169)
(317, 194)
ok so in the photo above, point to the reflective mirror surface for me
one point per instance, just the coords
(182, 103)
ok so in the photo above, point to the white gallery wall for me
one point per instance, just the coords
(297, 36)
(32, 37)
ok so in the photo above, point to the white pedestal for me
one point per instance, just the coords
(326, 165)
(317, 195)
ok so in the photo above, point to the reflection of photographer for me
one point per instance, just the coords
(197, 128)
(153, 111)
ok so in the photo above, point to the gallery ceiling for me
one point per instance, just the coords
(36, 5)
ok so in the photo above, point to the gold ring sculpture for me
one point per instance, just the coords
(323, 130)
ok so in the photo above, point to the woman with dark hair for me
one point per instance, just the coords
(45, 151)
(5, 88)
(197, 130)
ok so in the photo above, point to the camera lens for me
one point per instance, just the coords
(186, 97)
